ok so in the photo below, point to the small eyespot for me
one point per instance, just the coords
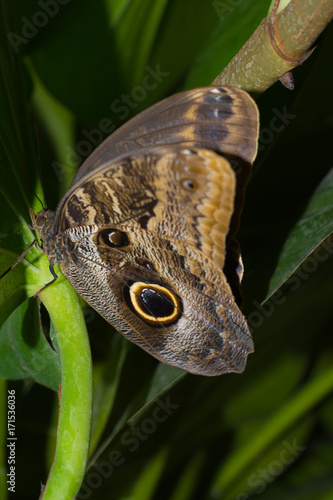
(113, 238)
(189, 184)
(147, 264)
(219, 94)
(215, 95)
(153, 303)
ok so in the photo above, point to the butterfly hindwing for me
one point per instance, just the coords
(150, 232)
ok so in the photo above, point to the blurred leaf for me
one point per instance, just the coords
(185, 488)
(311, 229)
(144, 487)
(286, 416)
(16, 132)
(266, 467)
(108, 62)
(24, 351)
(134, 32)
(106, 383)
(59, 123)
(165, 377)
(236, 21)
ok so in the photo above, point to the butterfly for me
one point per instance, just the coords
(146, 232)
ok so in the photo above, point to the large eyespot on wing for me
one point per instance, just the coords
(154, 304)
(187, 320)
(223, 119)
(201, 333)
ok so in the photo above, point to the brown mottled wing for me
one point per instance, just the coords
(180, 194)
(222, 119)
(175, 205)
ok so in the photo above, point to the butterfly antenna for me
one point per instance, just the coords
(39, 169)
(29, 185)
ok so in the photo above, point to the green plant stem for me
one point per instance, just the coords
(279, 44)
(75, 392)
(309, 396)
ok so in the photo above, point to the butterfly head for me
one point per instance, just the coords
(40, 218)
(42, 221)
(56, 246)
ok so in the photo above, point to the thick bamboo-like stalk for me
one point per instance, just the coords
(280, 43)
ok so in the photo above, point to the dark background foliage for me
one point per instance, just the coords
(267, 432)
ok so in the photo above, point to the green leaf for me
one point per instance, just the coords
(185, 489)
(115, 52)
(305, 239)
(24, 351)
(312, 392)
(164, 378)
(236, 21)
(144, 487)
(106, 383)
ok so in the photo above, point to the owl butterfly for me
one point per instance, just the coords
(145, 234)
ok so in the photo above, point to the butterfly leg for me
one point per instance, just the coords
(55, 277)
(21, 257)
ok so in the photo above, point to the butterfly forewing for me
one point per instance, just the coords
(223, 119)
(181, 194)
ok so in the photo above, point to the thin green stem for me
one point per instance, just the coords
(75, 393)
